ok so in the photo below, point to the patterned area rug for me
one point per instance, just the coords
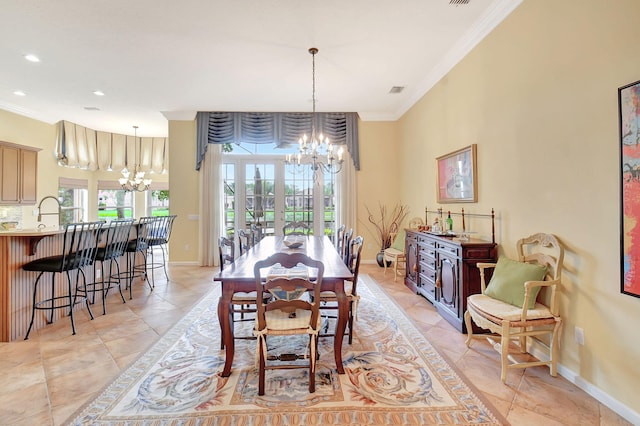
(392, 376)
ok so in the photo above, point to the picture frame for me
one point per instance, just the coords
(629, 125)
(456, 176)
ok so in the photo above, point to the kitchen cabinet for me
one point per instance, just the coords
(18, 174)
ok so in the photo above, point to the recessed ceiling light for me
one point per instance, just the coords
(19, 93)
(92, 108)
(396, 89)
(98, 92)
(32, 58)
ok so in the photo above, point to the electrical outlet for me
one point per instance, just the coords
(578, 334)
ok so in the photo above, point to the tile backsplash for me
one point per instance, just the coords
(11, 214)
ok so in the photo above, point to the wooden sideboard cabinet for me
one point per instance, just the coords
(18, 174)
(443, 270)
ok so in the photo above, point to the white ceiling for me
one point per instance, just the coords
(165, 59)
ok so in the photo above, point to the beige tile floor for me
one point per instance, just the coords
(46, 379)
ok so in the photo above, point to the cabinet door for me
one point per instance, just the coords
(412, 260)
(28, 176)
(9, 181)
(448, 295)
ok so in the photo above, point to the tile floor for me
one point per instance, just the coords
(47, 378)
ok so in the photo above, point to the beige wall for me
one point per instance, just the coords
(184, 189)
(377, 180)
(539, 97)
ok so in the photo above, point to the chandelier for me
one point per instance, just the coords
(134, 181)
(316, 151)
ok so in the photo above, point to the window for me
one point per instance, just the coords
(260, 189)
(73, 197)
(114, 203)
(158, 199)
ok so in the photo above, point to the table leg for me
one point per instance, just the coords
(343, 316)
(224, 316)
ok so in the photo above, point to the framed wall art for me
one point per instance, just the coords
(629, 120)
(456, 178)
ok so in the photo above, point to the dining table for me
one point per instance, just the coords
(239, 277)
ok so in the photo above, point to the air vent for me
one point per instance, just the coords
(92, 108)
(396, 89)
(457, 2)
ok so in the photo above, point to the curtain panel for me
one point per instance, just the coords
(282, 128)
(84, 148)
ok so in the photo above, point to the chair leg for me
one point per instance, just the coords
(350, 322)
(164, 260)
(53, 293)
(33, 309)
(467, 322)
(117, 275)
(553, 350)
(72, 297)
(261, 367)
(84, 292)
(504, 350)
(395, 269)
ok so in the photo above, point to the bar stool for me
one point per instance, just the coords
(79, 249)
(158, 236)
(115, 237)
(138, 245)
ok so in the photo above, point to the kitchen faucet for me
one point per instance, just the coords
(40, 214)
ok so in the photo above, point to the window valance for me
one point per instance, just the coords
(80, 147)
(282, 128)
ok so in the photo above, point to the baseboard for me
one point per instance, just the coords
(538, 350)
(190, 263)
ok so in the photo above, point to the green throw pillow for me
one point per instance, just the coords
(507, 281)
(398, 243)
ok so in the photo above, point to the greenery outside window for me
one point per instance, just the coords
(158, 199)
(73, 196)
(114, 202)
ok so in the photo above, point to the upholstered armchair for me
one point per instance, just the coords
(520, 302)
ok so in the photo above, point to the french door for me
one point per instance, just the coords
(262, 190)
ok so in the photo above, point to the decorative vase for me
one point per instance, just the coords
(380, 259)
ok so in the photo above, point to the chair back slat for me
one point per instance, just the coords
(226, 250)
(80, 244)
(115, 236)
(310, 286)
(296, 228)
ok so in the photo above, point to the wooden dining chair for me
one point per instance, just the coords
(245, 241)
(241, 303)
(296, 228)
(292, 309)
(339, 237)
(329, 300)
(346, 245)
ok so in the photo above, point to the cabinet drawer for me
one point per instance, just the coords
(450, 250)
(479, 253)
(426, 242)
(428, 286)
(427, 262)
(428, 275)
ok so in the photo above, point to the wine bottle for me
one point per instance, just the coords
(449, 222)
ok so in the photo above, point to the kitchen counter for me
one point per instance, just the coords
(32, 232)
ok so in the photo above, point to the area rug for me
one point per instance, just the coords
(392, 376)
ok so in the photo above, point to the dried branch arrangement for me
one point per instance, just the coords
(387, 223)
